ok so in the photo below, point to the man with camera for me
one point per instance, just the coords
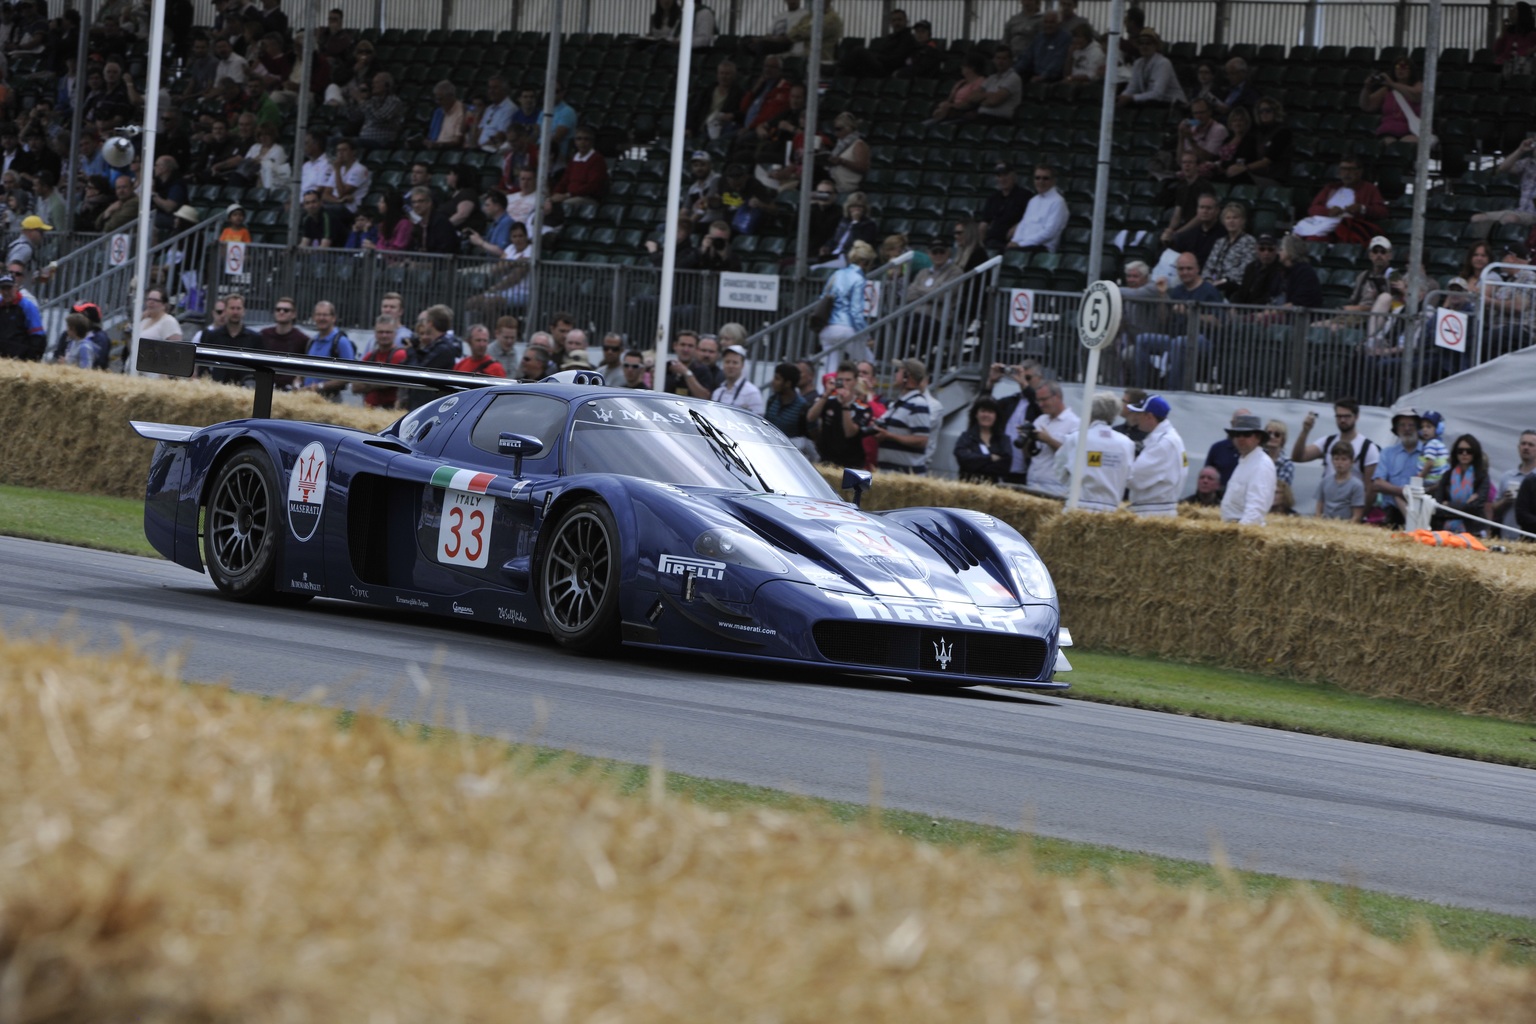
(1035, 442)
(839, 419)
(715, 252)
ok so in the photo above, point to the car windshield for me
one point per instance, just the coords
(691, 444)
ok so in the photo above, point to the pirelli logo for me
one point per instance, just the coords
(703, 568)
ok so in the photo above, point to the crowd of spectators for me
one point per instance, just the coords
(236, 83)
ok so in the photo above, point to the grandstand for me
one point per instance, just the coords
(921, 177)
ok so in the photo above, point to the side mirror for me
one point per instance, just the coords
(518, 446)
(858, 481)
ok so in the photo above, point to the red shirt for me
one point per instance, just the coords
(585, 176)
(384, 398)
(484, 365)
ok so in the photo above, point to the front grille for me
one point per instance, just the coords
(901, 646)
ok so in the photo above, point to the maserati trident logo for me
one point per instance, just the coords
(604, 414)
(943, 653)
(309, 467)
(306, 491)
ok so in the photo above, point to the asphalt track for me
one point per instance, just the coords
(1437, 828)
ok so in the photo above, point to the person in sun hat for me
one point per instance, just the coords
(234, 225)
(1158, 473)
(1251, 489)
(1398, 464)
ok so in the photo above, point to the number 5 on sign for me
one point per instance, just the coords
(1098, 319)
(464, 536)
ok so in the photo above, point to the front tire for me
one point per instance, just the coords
(242, 527)
(579, 579)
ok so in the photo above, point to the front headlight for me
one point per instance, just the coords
(1033, 578)
(737, 547)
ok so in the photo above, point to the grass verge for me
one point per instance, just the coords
(84, 520)
(1322, 709)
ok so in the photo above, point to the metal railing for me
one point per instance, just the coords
(1506, 311)
(1259, 351)
(73, 257)
(182, 264)
(602, 297)
(1254, 351)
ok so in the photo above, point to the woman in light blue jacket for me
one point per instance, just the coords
(846, 286)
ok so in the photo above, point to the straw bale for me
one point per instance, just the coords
(1304, 597)
(67, 429)
(172, 853)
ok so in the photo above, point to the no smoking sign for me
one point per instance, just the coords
(1451, 329)
(1021, 307)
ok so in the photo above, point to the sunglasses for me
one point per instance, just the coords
(1276, 433)
(283, 309)
(634, 366)
(1463, 451)
(612, 348)
(1377, 248)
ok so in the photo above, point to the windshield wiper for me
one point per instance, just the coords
(727, 449)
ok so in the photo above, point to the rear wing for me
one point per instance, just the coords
(182, 358)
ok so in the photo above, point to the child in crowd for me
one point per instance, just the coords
(1436, 457)
(363, 231)
(234, 225)
(81, 350)
(1342, 495)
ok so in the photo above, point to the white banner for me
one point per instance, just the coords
(121, 246)
(749, 291)
(1451, 329)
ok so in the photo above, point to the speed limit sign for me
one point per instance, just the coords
(1098, 318)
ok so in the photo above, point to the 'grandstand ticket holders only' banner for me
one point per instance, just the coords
(1021, 307)
(1451, 329)
(749, 291)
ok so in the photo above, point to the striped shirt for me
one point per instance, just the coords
(909, 414)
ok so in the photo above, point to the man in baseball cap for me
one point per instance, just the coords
(1158, 473)
(1251, 490)
(22, 256)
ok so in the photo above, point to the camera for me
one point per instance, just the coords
(1378, 79)
(1028, 439)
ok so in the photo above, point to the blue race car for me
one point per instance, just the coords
(601, 516)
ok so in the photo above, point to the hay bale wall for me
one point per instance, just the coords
(67, 429)
(1301, 596)
(1314, 599)
(181, 854)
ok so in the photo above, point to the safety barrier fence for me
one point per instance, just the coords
(104, 270)
(967, 323)
(1374, 23)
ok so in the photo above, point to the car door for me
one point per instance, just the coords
(475, 516)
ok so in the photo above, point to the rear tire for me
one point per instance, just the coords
(243, 526)
(579, 579)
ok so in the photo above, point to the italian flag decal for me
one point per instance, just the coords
(462, 479)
